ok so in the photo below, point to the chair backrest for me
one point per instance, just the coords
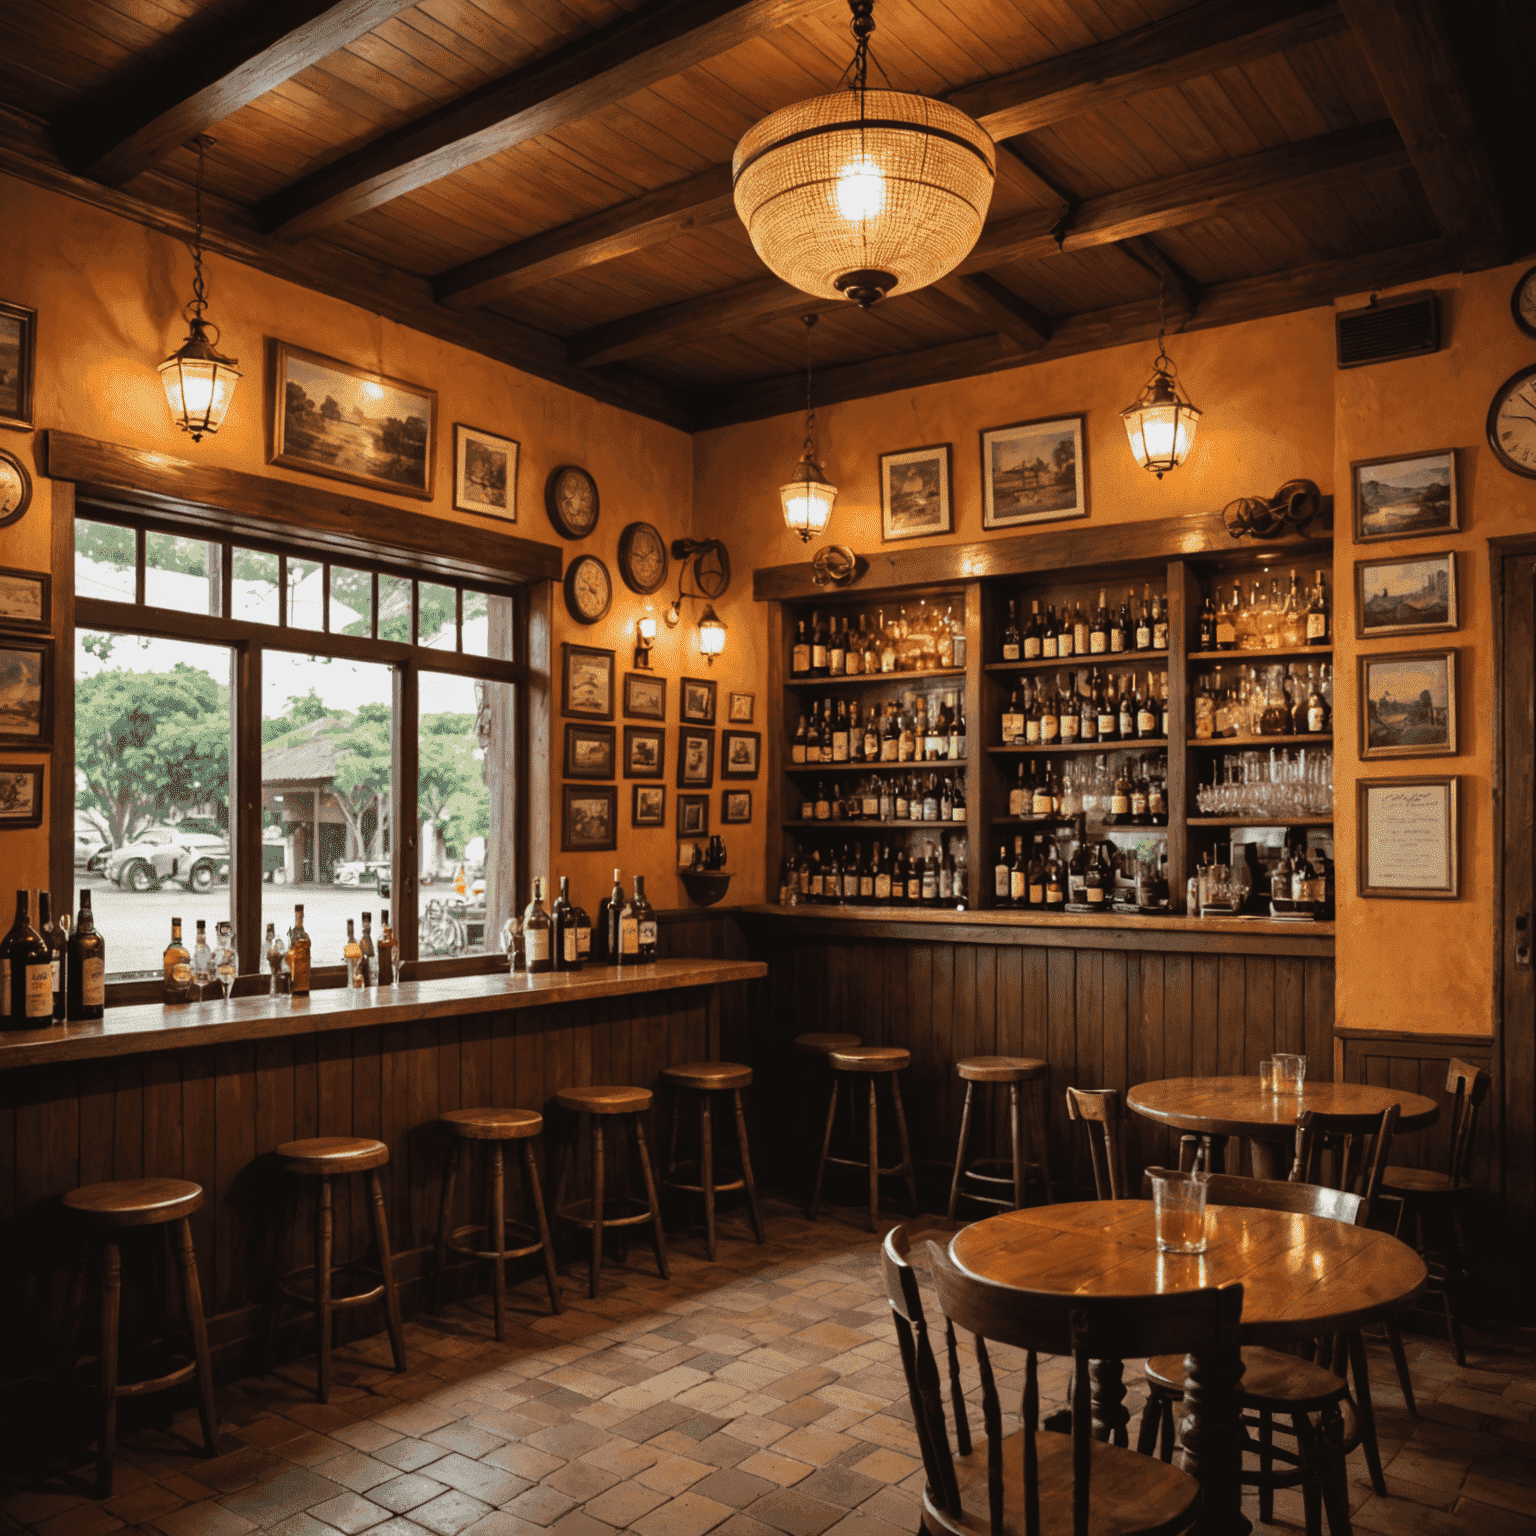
(1361, 1146)
(1275, 1195)
(1086, 1328)
(1468, 1087)
(1104, 1108)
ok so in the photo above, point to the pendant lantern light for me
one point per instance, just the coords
(199, 380)
(1160, 422)
(864, 193)
(808, 499)
(711, 634)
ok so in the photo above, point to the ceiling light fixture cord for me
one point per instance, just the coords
(194, 310)
(809, 321)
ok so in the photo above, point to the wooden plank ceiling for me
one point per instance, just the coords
(547, 181)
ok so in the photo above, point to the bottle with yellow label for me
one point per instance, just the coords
(298, 953)
(177, 963)
(86, 964)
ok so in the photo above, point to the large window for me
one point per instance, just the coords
(373, 714)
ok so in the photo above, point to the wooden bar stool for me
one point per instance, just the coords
(873, 1062)
(105, 1211)
(705, 1079)
(1015, 1071)
(600, 1104)
(326, 1158)
(493, 1127)
(813, 1087)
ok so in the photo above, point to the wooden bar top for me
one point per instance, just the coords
(1130, 922)
(140, 1028)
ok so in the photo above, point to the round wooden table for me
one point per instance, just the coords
(1219, 1107)
(1302, 1277)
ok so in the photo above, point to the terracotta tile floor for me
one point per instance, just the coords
(760, 1396)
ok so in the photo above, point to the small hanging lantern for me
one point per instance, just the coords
(1160, 422)
(199, 380)
(808, 498)
(711, 634)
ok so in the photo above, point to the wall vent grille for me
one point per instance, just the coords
(1380, 333)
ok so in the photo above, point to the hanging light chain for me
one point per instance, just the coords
(809, 321)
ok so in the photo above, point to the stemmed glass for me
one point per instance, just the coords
(226, 963)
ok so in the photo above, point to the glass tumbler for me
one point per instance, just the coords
(1267, 1075)
(1178, 1210)
(1290, 1073)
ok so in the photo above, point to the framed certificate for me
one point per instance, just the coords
(1408, 838)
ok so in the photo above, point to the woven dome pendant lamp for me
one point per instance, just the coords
(864, 193)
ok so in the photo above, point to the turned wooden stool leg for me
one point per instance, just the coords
(906, 1149)
(444, 1226)
(541, 1222)
(874, 1157)
(965, 1138)
(496, 1222)
(658, 1238)
(1016, 1131)
(111, 1293)
(1043, 1137)
(1400, 1360)
(192, 1302)
(707, 1170)
(826, 1147)
(746, 1166)
(323, 1287)
(386, 1268)
(597, 1205)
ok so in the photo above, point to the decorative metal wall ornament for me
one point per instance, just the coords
(835, 565)
(1289, 511)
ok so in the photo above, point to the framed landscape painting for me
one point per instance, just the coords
(739, 754)
(1414, 595)
(735, 807)
(1409, 700)
(692, 815)
(26, 693)
(26, 600)
(645, 696)
(914, 493)
(645, 752)
(484, 473)
(588, 751)
(590, 818)
(21, 795)
(586, 682)
(649, 807)
(18, 351)
(331, 418)
(1405, 497)
(695, 759)
(1033, 472)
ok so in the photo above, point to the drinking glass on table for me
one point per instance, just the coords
(1290, 1073)
(1267, 1075)
(1178, 1209)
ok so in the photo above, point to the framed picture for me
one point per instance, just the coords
(1033, 472)
(649, 808)
(695, 759)
(739, 754)
(18, 357)
(645, 752)
(331, 418)
(1415, 595)
(742, 707)
(26, 693)
(588, 751)
(589, 820)
(484, 472)
(1408, 704)
(586, 682)
(21, 795)
(698, 701)
(1408, 837)
(735, 807)
(26, 600)
(914, 493)
(645, 696)
(1406, 496)
(692, 815)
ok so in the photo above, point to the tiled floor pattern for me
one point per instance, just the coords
(759, 1396)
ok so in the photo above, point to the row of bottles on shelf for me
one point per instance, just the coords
(1086, 709)
(880, 874)
(914, 729)
(924, 640)
(1231, 880)
(1281, 702)
(561, 937)
(1131, 794)
(1093, 877)
(51, 971)
(889, 797)
(1265, 621)
(1104, 632)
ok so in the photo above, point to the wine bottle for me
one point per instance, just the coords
(1098, 633)
(176, 964)
(370, 954)
(1032, 632)
(800, 655)
(645, 919)
(352, 953)
(53, 937)
(1012, 642)
(536, 931)
(1317, 614)
(28, 970)
(562, 935)
(389, 969)
(85, 988)
(299, 952)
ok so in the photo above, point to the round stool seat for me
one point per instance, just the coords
(493, 1124)
(1001, 1069)
(135, 1202)
(824, 1045)
(1418, 1181)
(708, 1076)
(869, 1058)
(609, 1100)
(333, 1154)
(1271, 1379)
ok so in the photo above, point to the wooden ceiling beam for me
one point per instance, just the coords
(1001, 307)
(1406, 45)
(660, 39)
(214, 72)
(1146, 252)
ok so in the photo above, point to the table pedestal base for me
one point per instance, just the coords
(1212, 1440)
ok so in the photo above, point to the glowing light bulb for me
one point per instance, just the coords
(860, 192)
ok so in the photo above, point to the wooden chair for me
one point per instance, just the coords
(1102, 1107)
(1431, 1202)
(1359, 1145)
(1273, 1384)
(872, 1062)
(1015, 1072)
(702, 1080)
(1055, 1483)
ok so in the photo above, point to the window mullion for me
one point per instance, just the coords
(245, 806)
(405, 845)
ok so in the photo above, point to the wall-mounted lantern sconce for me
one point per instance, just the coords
(711, 634)
(711, 564)
(645, 638)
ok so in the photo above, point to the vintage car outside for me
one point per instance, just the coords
(158, 854)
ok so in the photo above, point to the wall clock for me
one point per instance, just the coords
(1512, 423)
(588, 589)
(1522, 303)
(15, 488)
(642, 558)
(570, 498)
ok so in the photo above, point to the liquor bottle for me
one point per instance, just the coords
(1226, 623)
(1050, 717)
(1148, 715)
(1108, 714)
(1120, 800)
(957, 800)
(1280, 876)
(352, 953)
(1093, 880)
(930, 883)
(1068, 716)
(1018, 876)
(1293, 623)
(537, 932)
(298, 954)
(177, 966)
(1050, 635)
(797, 744)
(851, 871)
(1206, 640)
(1141, 795)
(1098, 632)
(855, 734)
(1012, 641)
(1122, 629)
(645, 919)
(85, 985)
(1013, 721)
(562, 929)
(800, 656)
(26, 970)
(1318, 712)
(1034, 876)
(869, 870)
(370, 960)
(931, 798)
(1041, 803)
(832, 878)
(818, 646)
(1088, 714)
(837, 650)
(888, 638)
(1032, 632)
(202, 959)
(1002, 895)
(1128, 708)
(906, 732)
(1157, 796)
(389, 961)
(954, 748)
(1144, 620)
(1159, 623)
(1317, 614)
(1066, 635)
(915, 880)
(1081, 631)
(53, 937)
(1019, 794)
(1055, 881)
(276, 953)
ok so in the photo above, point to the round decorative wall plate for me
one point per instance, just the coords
(1522, 302)
(1512, 423)
(588, 589)
(570, 498)
(15, 488)
(642, 558)
(712, 570)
